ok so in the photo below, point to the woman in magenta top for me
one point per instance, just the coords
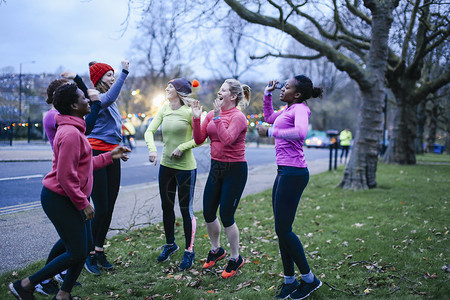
(290, 126)
(226, 126)
(66, 190)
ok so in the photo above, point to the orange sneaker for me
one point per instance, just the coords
(232, 267)
(213, 257)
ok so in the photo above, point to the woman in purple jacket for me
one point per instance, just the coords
(290, 126)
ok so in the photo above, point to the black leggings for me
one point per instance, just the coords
(224, 187)
(104, 195)
(73, 232)
(169, 179)
(287, 190)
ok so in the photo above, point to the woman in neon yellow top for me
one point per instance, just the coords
(178, 167)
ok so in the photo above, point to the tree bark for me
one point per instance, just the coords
(401, 147)
(432, 127)
(420, 128)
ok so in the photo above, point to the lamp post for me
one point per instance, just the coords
(20, 87)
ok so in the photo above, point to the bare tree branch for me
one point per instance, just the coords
(341, 61)
(430, 87)
(294, 56)
(355, 11)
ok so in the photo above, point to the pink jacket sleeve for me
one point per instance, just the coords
(300, 129)
(102, 160)
(269, 114)
(229, 135)
(199, 130)
(67, 173)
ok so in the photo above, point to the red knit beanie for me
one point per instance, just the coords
(97, 71)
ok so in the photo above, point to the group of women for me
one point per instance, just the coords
(89, 166)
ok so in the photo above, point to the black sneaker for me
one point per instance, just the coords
(60, 278)
(188, 260)
(213, 257)
(167, 252)
(232, 267)
(102, 261)
(305, 289)
(49, 288)
(287, 289)
(20, 293)
(91, 265)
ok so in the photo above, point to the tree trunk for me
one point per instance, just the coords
(401, 146)
(418, 143)
(360, 173)
(432, 128)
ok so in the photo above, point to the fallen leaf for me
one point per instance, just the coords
(244, 284)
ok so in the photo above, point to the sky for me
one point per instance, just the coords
(56, 35)
(67, 34)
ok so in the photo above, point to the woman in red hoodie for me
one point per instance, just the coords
(66, 190)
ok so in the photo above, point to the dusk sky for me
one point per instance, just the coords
(68, 33)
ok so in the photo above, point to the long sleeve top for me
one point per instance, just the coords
(109, 122)
(227, 134)
(73, 163)
(176, 126)
(290, 127)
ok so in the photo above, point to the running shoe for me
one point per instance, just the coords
(232, 267)
(60, 278)
(20, 293)
(286, 289)
(91, 265)
(188, 260)
(102, 261)
(49, 288)
(167, 252)
(305, 289)
(213, 257)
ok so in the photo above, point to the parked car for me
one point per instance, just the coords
(317, 139)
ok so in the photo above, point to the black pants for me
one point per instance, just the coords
(224, 187)
(287, 190)
(73, 232)
(169, 180)
(104, 195)
(344, 149)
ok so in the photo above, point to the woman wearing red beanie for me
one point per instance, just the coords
(105, 136)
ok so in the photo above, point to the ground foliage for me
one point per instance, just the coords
(388, 242)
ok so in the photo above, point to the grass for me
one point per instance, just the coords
(388, 242)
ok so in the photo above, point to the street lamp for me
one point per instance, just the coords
(20, 87)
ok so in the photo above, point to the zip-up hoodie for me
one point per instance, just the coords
(73, 164)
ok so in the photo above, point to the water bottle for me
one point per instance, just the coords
(279, 85)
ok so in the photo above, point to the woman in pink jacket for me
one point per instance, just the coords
(66, 189)
(226, 126)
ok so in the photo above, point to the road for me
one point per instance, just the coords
(21, 182)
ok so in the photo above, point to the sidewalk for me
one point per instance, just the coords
(28, 236)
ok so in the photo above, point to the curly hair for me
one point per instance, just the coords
(64, 97)
(53, 86)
